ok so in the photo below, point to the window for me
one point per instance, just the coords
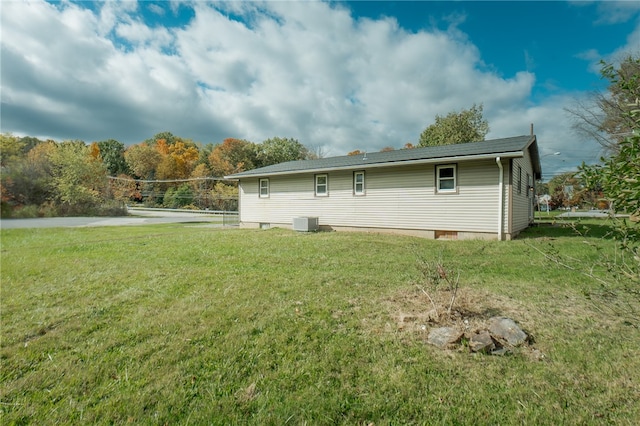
(264, 188)
(358, 183)
(519, 180)
(322, 185)
(446, 179)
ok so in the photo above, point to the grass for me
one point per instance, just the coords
(184, 324)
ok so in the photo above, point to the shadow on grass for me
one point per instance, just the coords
(568, 228)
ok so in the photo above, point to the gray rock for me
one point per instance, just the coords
(506, 330)
(444, 336)
(481, 342)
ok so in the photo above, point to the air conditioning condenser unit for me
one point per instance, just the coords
(305, 224)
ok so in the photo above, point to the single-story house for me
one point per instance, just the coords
(469, 190)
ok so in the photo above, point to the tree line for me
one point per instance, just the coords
(49, 178)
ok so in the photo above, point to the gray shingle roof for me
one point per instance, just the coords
(506, 147)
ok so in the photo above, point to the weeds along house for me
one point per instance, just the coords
(471, 190)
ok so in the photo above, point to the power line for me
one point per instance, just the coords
(164, 180)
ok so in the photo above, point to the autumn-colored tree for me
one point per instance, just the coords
(94, 151)
(567, 190)
(26, 180)
(201, 186)
(167, 168)
(225, 196)
(355, 152)
(178, 160)
(186, 156)
(387, 149)
(123, 188)
(200, 171)
(143, 160)
(232, 156)
(408, 145)
(162, 146)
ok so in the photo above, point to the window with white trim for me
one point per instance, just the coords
(446, 179)
(358, 183)
(322, 185)
(264, 188)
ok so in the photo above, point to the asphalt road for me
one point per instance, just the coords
(139, 217)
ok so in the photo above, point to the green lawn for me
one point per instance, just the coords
(185, 324)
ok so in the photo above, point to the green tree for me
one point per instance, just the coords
(457, 127)
(618, 177)
(112, 154)
(11, 148)
(168, 137)
(204, 151)
(29, 142)
(604, 116)
(78, 179)
(278, 150)
(178, 197)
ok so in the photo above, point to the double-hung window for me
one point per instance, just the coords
(264, 188)
(446, 182)
(358, 183)
(322, 185)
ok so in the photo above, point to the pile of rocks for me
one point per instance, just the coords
(500, 337)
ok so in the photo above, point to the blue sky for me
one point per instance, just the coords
(337, 76)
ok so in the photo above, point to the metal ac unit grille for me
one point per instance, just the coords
(305, 224)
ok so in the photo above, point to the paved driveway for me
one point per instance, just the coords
(142, 217)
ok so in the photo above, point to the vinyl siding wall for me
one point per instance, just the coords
(522, 204)
(395, 198)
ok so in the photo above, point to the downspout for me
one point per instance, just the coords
(500, 199)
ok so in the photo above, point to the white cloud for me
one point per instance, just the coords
(292, 69)
(612, 12)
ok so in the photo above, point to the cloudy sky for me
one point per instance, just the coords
(335, 75)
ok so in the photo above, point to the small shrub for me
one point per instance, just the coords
(6, 210)
(25, 212)
(436, 278)
(178, 197)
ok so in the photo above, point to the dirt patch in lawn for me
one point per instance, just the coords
(414, 314)
(413, 310)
